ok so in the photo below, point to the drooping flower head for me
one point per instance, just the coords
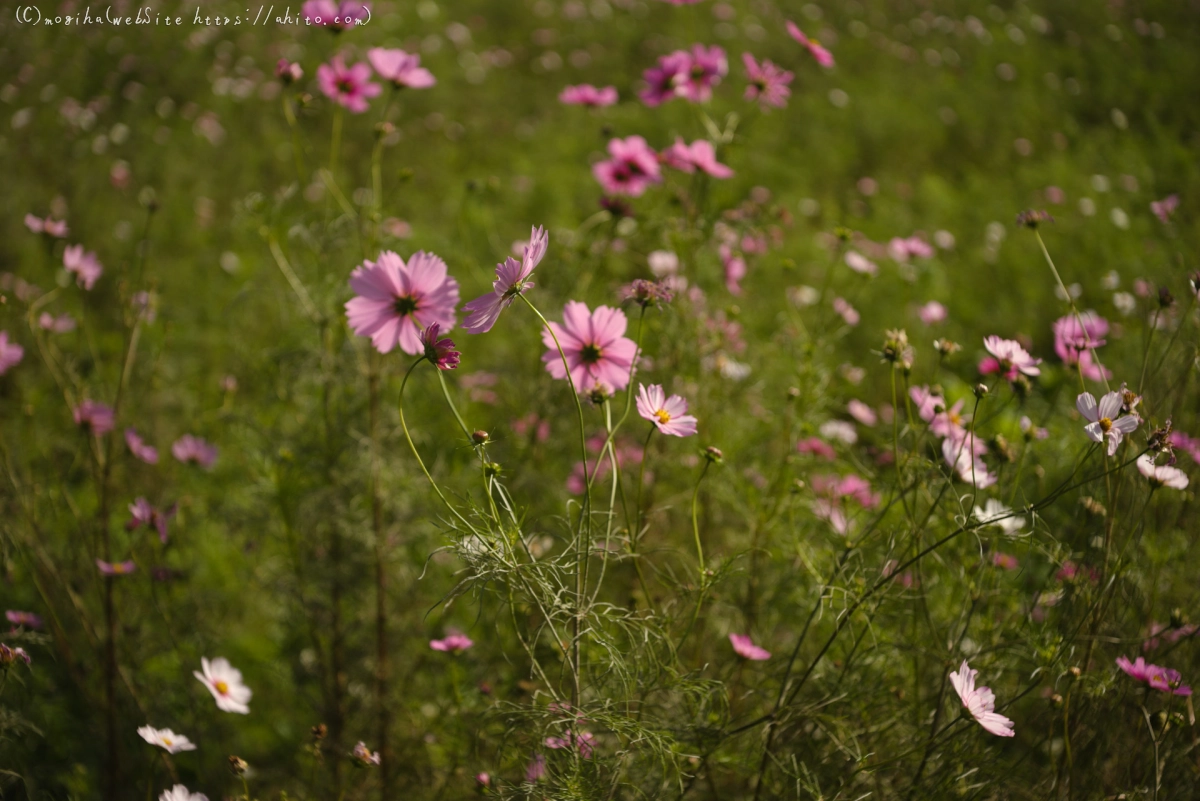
(95, 417)
(632, 168)
(699, 155)
(587, 95)
(823, 56)
(335, 16)
(167, 739)
(598, 354)
(10, 353)
(224, 681)
(440, 352)
(350, 87)
(980, 702)
(195, 450)
(1008, 359)
(746, 649)
(84, 264)
(396, 300)
(768, 83)
(1161, 475)
(511, 281)
(669, 415)
(453, 643)
(1104, 422)
(400, 68)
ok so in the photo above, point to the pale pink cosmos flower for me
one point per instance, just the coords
(980, 702)
(663, 78)
(932, 313)
(115, 568)
(584, 741)
(669, 415)
(904, 248)
(1104, 422)
(597, 351)
(224, 681)
(587, 95)
(335, 16)
(847, 312)
(365, 756)
(817, 447)
(1165, 208)
(349, 87)
(139, 448)
(1075, 339)
(632, 168)
(699, 155)
(735, 268)
(166, 739)
(823, 56)
(440, 352)
(1010, 358)
(860, 263)
(862, 412)
(57, 325)
(86, 267)
(1005, 561)
(746, 649)
(511, 281)
(1161, 475)
(181, 793)
(27, 619)
(143, 514)
(400, 68)
(195, 450)
(396, 300)
(962, 453)
(833, 492)
(1158, 678)
(768, 83)
(48, 226)
(10, 353)
(95, 417)
(1185, 443)
(454, 643)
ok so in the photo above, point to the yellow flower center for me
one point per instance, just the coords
(663, 416)
(166, 741)
(221, 687)
(1105, 424)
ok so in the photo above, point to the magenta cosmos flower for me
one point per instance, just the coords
(699, 155)
(454, 643)
(395, 300)
(440, 352)
(1161, 475)
(194, 449)
(335, 16)
(511, 280)
(587, 95)
(823, 56)
(598, 354)
(768, 83)
(705, 68)
(86, 267)
(746, 649)
(10, 353)
(1104, 422)
(350, 87)
(115, 568)
(143, 514)
(400, 68)
(980, 702)
(632, 168)
(95, 417)
(662, 80)
(139, 448)
(669, 415)
(1158, 678)
(1008, 358)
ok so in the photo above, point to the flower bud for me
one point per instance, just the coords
(238, 766)
(981, 391)
(713, 455)
(480, 437)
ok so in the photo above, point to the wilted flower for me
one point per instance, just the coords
(632, 168)
(86, 267)
(440, 352)
(745, 648)
(395, 300)
(587, 95)
(597, 352)
(1032, 218)
(350, 87)
(768, 83)
(10, 353)
(224, 681)
(1103, 421)
(511, 281)
(1161, 475)
(400, 68)
(139, 448)
(897, 350)
(454, 643)
(669, 415)
(9, 656)
(165, 738)
(823, 56)
(195, 450)
(647, 293)
(95, 417)
(980, 702)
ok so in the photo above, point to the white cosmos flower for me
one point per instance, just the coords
(181, 793)
(994, 513)
(980, 702)
(1161, 475)
(165, 738)
(224, 681)
(1103, 421)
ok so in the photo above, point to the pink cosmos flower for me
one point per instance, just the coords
(817, 447)
(334, 16)
(699, 155)
(96, 417)
(587, 95)
(860, 263)
(143, 514)
(531, 425)
(1180, 440)
(669, 415)
(962, 452)
(1161, 475)
(115, 568)
(536, 768)
(440, 352)
(10, 353)
(1009, 358)
(363, 755)
(139, 448)
(746, 649)
(288, 71)
(585, 741)
(833, 492)
(1163, 209)
(1005, 561)
(902, 249)
(932, 313)
(350, 87)
(58, 325)
(1159, 678)
(706, 67)
(85, 265)
(862, 412)
(598, 354)
(848, 312)
(454, 643)
(401, 68)
(632, 168)
(663, 78)
(1103, 420)
(823, 56)
(195, 450)
(27, 619)
(49, 227)
(224, 681)
(927, 402)
(768, 84)
(1172, 634)
(395, 300)
(1075, 339)
(511, 280)
(980, 702)
(735, 268)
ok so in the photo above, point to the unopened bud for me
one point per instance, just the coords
(238, 766)
(981, 391)
(713, 455)
(480, 437)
